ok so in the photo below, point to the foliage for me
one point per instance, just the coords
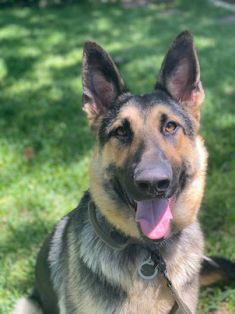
(51, 3)
(45, 144)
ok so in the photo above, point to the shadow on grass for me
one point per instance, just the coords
(23, 241)
(26, 233)
(41, 51)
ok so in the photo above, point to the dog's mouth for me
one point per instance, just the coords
(154, 217)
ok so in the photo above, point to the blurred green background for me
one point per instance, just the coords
(45, 144)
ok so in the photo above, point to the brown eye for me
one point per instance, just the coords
(121, 132)
(170, 127)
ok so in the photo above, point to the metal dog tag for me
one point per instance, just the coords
(147, 269)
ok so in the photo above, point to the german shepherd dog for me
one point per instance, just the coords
(147, 180)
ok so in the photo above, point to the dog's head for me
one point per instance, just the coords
(147, 174)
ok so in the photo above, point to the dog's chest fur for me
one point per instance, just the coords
(142, 297)
(146, 297)
(101, 280)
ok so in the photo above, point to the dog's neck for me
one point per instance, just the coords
(111, 237)
(117, 240)
(149, 268)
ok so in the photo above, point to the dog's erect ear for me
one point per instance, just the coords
(180, 74)
(102, 83)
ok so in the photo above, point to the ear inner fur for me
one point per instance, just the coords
(180, 75)
(102, 83)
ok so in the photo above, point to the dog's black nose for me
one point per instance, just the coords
(153, 181)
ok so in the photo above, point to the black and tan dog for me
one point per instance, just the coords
(147, 182)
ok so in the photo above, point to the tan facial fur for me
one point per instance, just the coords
(187, 205)
(122, 218)
(146, 127)
(113, 151)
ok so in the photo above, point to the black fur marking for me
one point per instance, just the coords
(124, 139)
(182, 176)
(134, 160)
(115, 189)
(121, 177)
(109, 117)
(163, 119)
(162, 98)
(44, 292)
(218, 265)
(101, 289)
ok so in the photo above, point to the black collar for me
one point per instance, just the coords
(113, 239)
(117, 241)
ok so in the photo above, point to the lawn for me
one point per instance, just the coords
(45, 144)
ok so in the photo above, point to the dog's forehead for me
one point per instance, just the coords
(149, 109)
(147, 106)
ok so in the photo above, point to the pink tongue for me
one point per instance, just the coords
(154, 217)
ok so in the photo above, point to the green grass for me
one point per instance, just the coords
(40, 115)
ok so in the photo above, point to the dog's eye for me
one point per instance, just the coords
(170, 127)
(123, 132)
(120, 132)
